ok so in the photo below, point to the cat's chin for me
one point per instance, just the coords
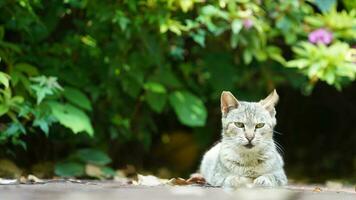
(249, 146)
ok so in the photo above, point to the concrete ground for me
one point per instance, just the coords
(96, 190)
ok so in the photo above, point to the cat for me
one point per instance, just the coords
(246, 153)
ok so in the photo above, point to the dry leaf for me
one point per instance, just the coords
(150, 180)
(178, 181)
(129, 171)
(23, 180)
(33, 179)
(317, 189)
(197, 179)
(93, 171)
(120, 173)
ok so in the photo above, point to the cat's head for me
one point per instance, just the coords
(248, 125)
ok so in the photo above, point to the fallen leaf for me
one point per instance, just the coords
(33, 179)
(317, 189)
(197, 179)
(120, 173)
(93, 171)
(178, 181)
(23, 180)
(150, 180)
(129, 171)
(120, 177)
(8, 181)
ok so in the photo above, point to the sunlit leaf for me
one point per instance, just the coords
(155, 87)
(325, 5)
(71, 117)
(77, 97)
(4, 79)
(189, 108)
(4, 108)
(236, 26)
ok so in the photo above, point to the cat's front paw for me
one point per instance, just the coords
(266, 181)
(236, 181)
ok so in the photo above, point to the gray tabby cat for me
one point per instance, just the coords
(247, 153)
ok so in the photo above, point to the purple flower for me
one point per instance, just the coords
(320, 35)
(247, 23)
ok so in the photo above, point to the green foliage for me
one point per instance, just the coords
(82, 163)
(93, 156)
(44, 86)
(189, 108)
(329, 64)
(77, 97)
(69, 169)
(325, 5)
(117, 69)
(342, 24)
(71, 117)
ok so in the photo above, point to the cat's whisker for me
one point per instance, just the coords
(279, 133)
(279, 147)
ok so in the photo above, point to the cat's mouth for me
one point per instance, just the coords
(249, 145)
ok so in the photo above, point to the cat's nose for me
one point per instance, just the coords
(250, 137)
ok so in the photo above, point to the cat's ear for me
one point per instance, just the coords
(270, 102)
(228, 102)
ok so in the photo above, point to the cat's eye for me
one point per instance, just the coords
(240, 124)
(260, 125)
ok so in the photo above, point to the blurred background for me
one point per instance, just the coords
(97, 89)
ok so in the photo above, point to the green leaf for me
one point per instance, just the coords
(236, 26)
(76, 3)
(2, 32)
(71, 117)
(69, 169)
(93, 156)
(44, 86)
(199, 37)
(4, 108)
(155, 87)
(15, 129)
(43, 124)
(325, 5)
(30, 70)
(350, 4)
(247, 56)
(77, 97)
(156, 101)
(109, 172)
(299, 63)
(189, 108)
(4, 79)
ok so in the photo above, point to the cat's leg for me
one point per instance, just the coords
(277, 178)
(236, 181)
